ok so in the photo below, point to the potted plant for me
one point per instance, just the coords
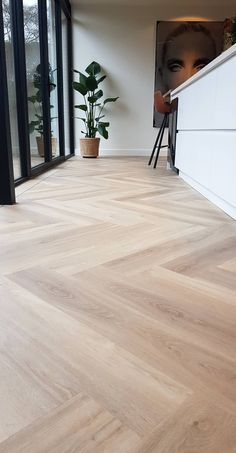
(229, 32)
(93, 109)
(36, 125)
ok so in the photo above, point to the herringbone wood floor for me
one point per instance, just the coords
(118, 314)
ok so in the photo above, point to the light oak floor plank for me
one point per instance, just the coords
(197, 427)
(117, 314)
(80, 425)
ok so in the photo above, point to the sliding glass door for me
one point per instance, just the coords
(66, 76)
(11, 86)
(34, 81)
(36, 53)
(53, 78)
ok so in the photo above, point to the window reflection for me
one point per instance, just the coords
(34, 86)
(53, 73)
(65, 59)
(11, 84)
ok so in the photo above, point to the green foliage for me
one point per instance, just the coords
(36, 100)
(88, 88)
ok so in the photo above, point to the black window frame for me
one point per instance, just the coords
(7, 191)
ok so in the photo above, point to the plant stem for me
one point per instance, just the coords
(86, 113)
(92, 132)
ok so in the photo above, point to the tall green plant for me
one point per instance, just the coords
(93, 106)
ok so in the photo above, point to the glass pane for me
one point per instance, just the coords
(65, 60)
(11, 83)
(34, 86)
(52, 56)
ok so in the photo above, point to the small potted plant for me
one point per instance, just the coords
(36, 125)
(93, 109)
(229, 32)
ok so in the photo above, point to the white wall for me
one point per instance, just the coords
(122, 39)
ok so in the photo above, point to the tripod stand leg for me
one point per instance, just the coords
(156, 142)
(161, 138)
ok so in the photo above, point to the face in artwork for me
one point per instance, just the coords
(185, 55)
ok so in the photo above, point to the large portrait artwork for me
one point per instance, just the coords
(182, 49)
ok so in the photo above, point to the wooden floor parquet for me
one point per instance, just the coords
(118, 314)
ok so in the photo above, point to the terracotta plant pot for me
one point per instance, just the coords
(89, 147)
(40, 145)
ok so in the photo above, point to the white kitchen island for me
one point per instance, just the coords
(205, 152)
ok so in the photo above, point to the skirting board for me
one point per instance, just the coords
(125, 152)
(222, 204)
